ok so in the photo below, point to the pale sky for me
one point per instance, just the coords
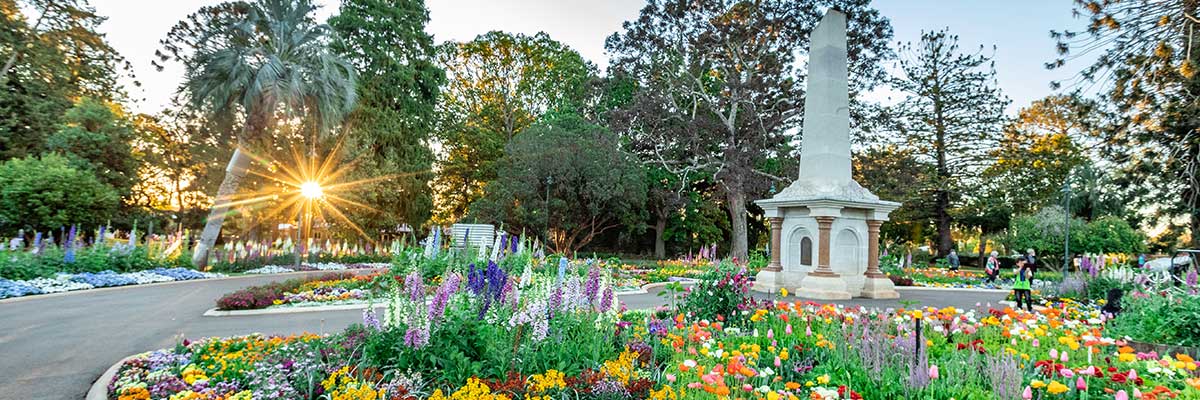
(1019, 28)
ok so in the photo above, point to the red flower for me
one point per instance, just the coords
(853, 395)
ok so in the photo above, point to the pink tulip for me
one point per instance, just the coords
(695, 385)
(747, 387)
(933, 372)
(1027, 394)
(770, 333)
(670, 378)
(1133, 377)
(778, 362)
(808, 330)
(1063, 357)
(1137, 394)
(1053, 353)
(1035, 343)
(1121, 395)
(1080, 383)
(787, 329)
(1066, 372)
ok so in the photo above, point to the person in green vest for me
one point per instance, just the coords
(1021, 285)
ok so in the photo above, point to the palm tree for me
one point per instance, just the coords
(254, 61)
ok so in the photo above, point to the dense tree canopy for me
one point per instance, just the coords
(47, 193)
(389, 131)
(593, 185)
(498, 84)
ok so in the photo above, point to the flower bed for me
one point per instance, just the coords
(89, 280)
(276, 293)
(527, 331)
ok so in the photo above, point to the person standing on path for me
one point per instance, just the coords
(1031, 259)
(992, 268)
(953, 260)
(1022, 289)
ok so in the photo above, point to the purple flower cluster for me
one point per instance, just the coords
(437, 307)
(103, 279)
(592, 288)
(414, 286)
(606, 300)
(416, 337)
(611, 389)
(370, 320)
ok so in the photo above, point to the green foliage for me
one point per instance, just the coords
(596, 186)
(96, 137)
(499, 84)
(1045, 232)
(390, 126)
(722, 293)
(1160, 319)
(41, 194)
(56, 56)
(23, 265)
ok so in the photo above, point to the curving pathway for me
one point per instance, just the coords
(55, 346)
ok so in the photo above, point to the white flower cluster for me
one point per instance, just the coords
(57, 285)
(269, 269)
(143, 277)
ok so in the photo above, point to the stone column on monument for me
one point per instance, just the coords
(776, 251)
(876, 285)
(823, 283)
(824, 225)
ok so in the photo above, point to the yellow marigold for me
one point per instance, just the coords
(1127, 357)
(1037, 384)
(621, 369)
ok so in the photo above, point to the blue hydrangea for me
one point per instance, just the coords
(16, 289)
(103, 279)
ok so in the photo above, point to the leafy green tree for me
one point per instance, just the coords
(719, 88)
(257, 60)
(389, 129)
(96, 137)
(1045, 232)
(46, 193)
(1038, 151)
(49, 60)
(1146, 61)
(596, 186)
(952, 112)
(498, 84)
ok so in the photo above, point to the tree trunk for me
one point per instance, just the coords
(982, 251)
(943, 222)
(660, 247)
(737, 215)
(234, 173)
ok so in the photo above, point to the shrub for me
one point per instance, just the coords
(722, 293)
(1169, 319)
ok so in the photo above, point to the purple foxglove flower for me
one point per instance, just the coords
(416, 337)
(414, 285)
(437, 307)
(592, 288)
(514, 242)
(556, 300)
(503, 243)
(1192, 278)
(606, 300)
(496, 278)
(370, 320)
(476, 281)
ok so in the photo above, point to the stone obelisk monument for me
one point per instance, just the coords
(824, 206)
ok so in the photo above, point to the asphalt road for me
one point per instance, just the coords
(55, 346)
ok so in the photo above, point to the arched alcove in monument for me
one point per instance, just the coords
(847, 253)
(799, 248)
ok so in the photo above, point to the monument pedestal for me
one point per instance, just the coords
(767, 281)
(879, 288)
(823, 287)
